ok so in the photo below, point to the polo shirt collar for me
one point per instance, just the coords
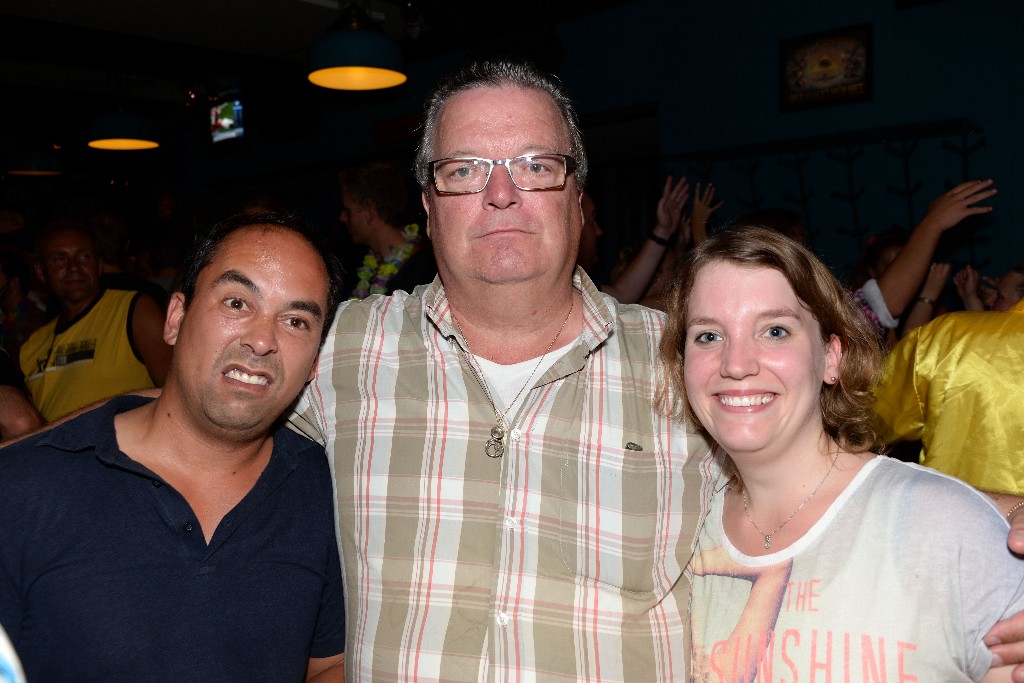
(94, 430)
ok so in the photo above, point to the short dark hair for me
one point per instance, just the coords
(56, 227)
(206, 247)
(495, 73)
(846, 406)
(381, 185)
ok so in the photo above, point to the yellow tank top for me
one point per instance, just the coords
(93, 358)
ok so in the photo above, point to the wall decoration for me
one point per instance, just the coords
(832, 67)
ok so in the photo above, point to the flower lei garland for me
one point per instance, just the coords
(374, 276)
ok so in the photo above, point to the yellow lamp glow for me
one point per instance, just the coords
(122, 131)
(356, 78)
(123, 144)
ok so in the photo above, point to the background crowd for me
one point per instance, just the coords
(53, 274)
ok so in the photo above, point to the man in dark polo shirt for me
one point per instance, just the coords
(189, 538)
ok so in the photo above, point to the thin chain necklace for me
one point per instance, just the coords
(495, 446)
(768, 537)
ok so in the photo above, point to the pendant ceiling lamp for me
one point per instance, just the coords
(122, 131)
(35, 161)
(353, 55)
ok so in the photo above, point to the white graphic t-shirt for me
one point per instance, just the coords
(898, 581)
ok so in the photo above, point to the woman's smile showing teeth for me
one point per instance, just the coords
(745, 401)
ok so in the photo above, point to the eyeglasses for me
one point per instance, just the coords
(466, 175)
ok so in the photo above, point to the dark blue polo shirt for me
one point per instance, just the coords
(105, 574)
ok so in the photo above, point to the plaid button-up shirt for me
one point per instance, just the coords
(564, 559)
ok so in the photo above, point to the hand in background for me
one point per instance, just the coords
(950, 208)
(966, 282)
(670, 207)
(989, 290)
(701, 212)
(927, 305)
(902, 280)
(935, 281)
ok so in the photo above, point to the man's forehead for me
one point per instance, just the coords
(244, 251)
(491, 106)
(67, 240)
(250, 244)
(488, 98)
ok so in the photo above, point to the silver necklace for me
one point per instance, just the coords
(495, 446)
(768, 537)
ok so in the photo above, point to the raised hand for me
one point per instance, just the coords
(950, 208)
(967, 282)
(902, 280)
(701, 212)
(935, 281)
(670, 207)
(989, 290)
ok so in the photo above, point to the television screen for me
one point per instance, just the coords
(226, 120)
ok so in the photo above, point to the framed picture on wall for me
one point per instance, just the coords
(832, 67)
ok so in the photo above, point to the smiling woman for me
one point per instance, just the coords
(810, 536)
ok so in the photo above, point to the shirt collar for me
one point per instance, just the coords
(598, 317)
(94, 429)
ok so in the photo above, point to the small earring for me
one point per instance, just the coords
(834, 378)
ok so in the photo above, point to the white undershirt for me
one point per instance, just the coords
(505, 381)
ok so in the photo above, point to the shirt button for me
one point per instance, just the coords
(510, 523)
(156, 484)
(187, 527)
(516, 434)
(502, 619)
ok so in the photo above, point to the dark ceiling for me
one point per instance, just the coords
(62, 61)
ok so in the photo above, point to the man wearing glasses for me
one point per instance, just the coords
(510, 505)
(511, 502)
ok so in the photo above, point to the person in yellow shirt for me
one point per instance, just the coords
(103, 342)
(957, 384)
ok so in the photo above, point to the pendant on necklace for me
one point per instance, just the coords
(495, 447)
(768, 542)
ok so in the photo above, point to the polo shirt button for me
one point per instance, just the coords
(187, 527)
(502, 619)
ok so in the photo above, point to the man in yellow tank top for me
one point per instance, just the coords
(103, 342)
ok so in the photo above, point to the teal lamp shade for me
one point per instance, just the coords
(121, 131)
(356, 59)
(34, 161)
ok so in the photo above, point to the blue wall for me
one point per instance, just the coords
(712, 68)
(710, 72)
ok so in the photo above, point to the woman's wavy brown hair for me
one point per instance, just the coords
(846, 406)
